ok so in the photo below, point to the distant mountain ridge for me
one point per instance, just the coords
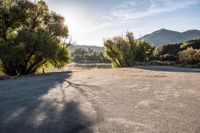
(94, 48)
(164, 36)
(160, 37)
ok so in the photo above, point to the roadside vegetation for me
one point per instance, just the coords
(31, 37)
(126, 51)
(181, 54)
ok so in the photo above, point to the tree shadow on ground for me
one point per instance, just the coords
(83, 89)
(24, 108)
(168, 69)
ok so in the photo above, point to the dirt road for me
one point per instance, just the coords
(144, 99)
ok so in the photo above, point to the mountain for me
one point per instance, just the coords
(164, 36)
(94, 48)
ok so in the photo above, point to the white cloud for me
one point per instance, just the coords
(144, 8)
(133, 9)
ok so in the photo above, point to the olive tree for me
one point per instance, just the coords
(31, 36)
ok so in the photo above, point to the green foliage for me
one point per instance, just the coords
(125, 51)
(170, 52)
(167, 52)
(31, 37)
(190, 53)
(189, 56)
(195, 44)
(88, 56)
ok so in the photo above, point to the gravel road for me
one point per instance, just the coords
(130, 100)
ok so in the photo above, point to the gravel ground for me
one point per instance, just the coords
(130, 100)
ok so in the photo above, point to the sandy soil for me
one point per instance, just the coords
(143, 99)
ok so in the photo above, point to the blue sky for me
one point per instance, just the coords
(91, 21)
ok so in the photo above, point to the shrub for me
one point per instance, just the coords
(125, 51)
(189, 56)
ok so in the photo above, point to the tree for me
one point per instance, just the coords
(170, 52)
(195, 44)
(167, 52)
(31, 37)
(125, 51)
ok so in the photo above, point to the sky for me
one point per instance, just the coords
(92, 21)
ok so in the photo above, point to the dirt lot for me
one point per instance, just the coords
(144, 99)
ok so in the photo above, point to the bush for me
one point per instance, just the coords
(125, 51)
(189, 56)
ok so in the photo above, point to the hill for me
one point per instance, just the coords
(94, 48)
(164, 36)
